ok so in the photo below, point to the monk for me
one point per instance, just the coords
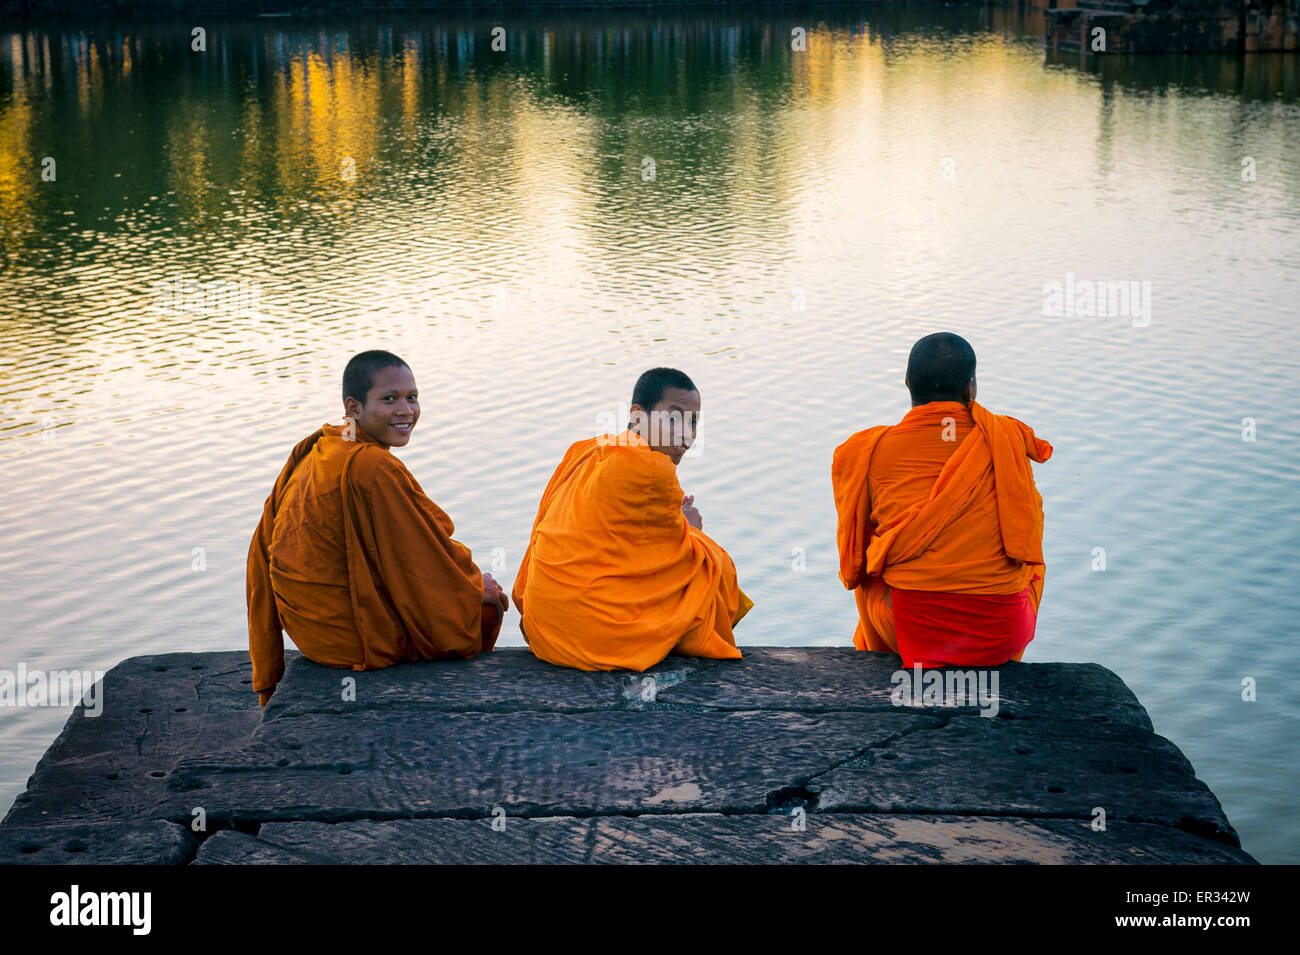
(618, 572)
(940, 526)
(351, 558)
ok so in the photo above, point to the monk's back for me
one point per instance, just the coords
(308, 551)
(596, 557)
(600, 514)
(967, 555)
(614, 577)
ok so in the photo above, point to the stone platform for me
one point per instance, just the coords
(790, 755)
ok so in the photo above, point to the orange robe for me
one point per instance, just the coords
(944, 501)
(614, 577)
(354, 561)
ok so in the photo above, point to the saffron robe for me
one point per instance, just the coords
(614, 577)
(357, 564)
(943, 507)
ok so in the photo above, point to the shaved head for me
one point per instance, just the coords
(359, 375)
(650, 387)
(939, 369)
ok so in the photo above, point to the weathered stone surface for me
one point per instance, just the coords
(534, 763)
(997, 767)
(156, 710)
(147, 842)
(695, 760)
(818, 679)
(807, 680)
(502, 682)
(713, 839)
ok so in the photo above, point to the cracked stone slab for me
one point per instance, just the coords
(502, 681)
(317, 767)
(156, 710)
(1029, 768)
(147, 842)
(815, 679)
(713, 839)
(808, 728)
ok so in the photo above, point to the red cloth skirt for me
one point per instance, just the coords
(978, 630)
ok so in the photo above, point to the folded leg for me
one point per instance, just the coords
(875, 618)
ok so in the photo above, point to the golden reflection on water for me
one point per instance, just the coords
(295, 110)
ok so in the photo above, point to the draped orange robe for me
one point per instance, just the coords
(943, 501)
(614, 577)
(354, 561)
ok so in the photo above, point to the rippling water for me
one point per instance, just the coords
(317, 188)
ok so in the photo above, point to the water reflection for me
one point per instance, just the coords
(1253, 77)
(278, 111)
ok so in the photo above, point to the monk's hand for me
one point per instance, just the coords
(493, 594)
(692, 515)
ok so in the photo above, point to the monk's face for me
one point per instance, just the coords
(670, 426)
(392, 407)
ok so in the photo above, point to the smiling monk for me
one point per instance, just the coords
(619, 572)
(940, 525)
(351, 558)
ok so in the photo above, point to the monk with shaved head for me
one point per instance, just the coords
(618, 572)
(351, 558)
(940, 525)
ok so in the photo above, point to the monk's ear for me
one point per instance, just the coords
(968, 392)
(351, 407)
(636, 417)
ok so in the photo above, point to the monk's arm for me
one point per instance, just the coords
(265, 633)
(431, 579)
